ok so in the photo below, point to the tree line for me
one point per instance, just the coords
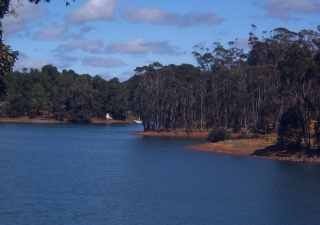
(271, 85)
(8, 56)
(66, 95)
(274, 86)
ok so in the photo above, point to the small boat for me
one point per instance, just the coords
(138, 121)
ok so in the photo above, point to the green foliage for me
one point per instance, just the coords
(297, 76)
(66, 95)
(4, 8)
(295, 66)
(218, 134)
(235, 116)
(7, 60)
(230, 88)
(289, 133)
(7, 56)
(117, 102)
(16, 105)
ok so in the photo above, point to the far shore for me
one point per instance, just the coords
(182, 134)
(40, 120)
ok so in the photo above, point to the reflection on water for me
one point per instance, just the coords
(101, 174)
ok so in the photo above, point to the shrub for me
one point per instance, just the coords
(289, 133)
(218, 134)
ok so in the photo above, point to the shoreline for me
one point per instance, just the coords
(260, 148)
(263, 147)
(181, 134)
(39, 120)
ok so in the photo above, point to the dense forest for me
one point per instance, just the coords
(66, 95)
(271, 85)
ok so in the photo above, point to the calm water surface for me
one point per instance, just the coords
(101, 174)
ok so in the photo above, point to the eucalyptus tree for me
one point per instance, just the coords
(225, 67)
(140, 96)
(212, 63)
(317, 94)
(150, 95)
(171, 99)
(263, 59)
(156, 83)
(297, 74)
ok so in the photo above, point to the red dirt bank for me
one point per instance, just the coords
(263, 147)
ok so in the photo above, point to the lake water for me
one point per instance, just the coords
(101, 174)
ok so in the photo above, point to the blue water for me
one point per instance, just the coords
(101, 174)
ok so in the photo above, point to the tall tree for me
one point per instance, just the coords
(297, 73)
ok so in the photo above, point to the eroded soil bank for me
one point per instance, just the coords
(262, 147)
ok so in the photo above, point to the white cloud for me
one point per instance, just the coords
(102, 62)
(283, 9)
(61, 32)
(64, 60)
(81, 32)
(92, 46)
(87, 29)
(163, 17)
(26, 13)
(30, 63)
(195, 19)
(150, 15)
(93, 10)
(51, 32)
(141, 46)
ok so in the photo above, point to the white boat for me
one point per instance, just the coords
(138, 121)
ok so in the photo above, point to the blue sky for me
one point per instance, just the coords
(112, 37)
